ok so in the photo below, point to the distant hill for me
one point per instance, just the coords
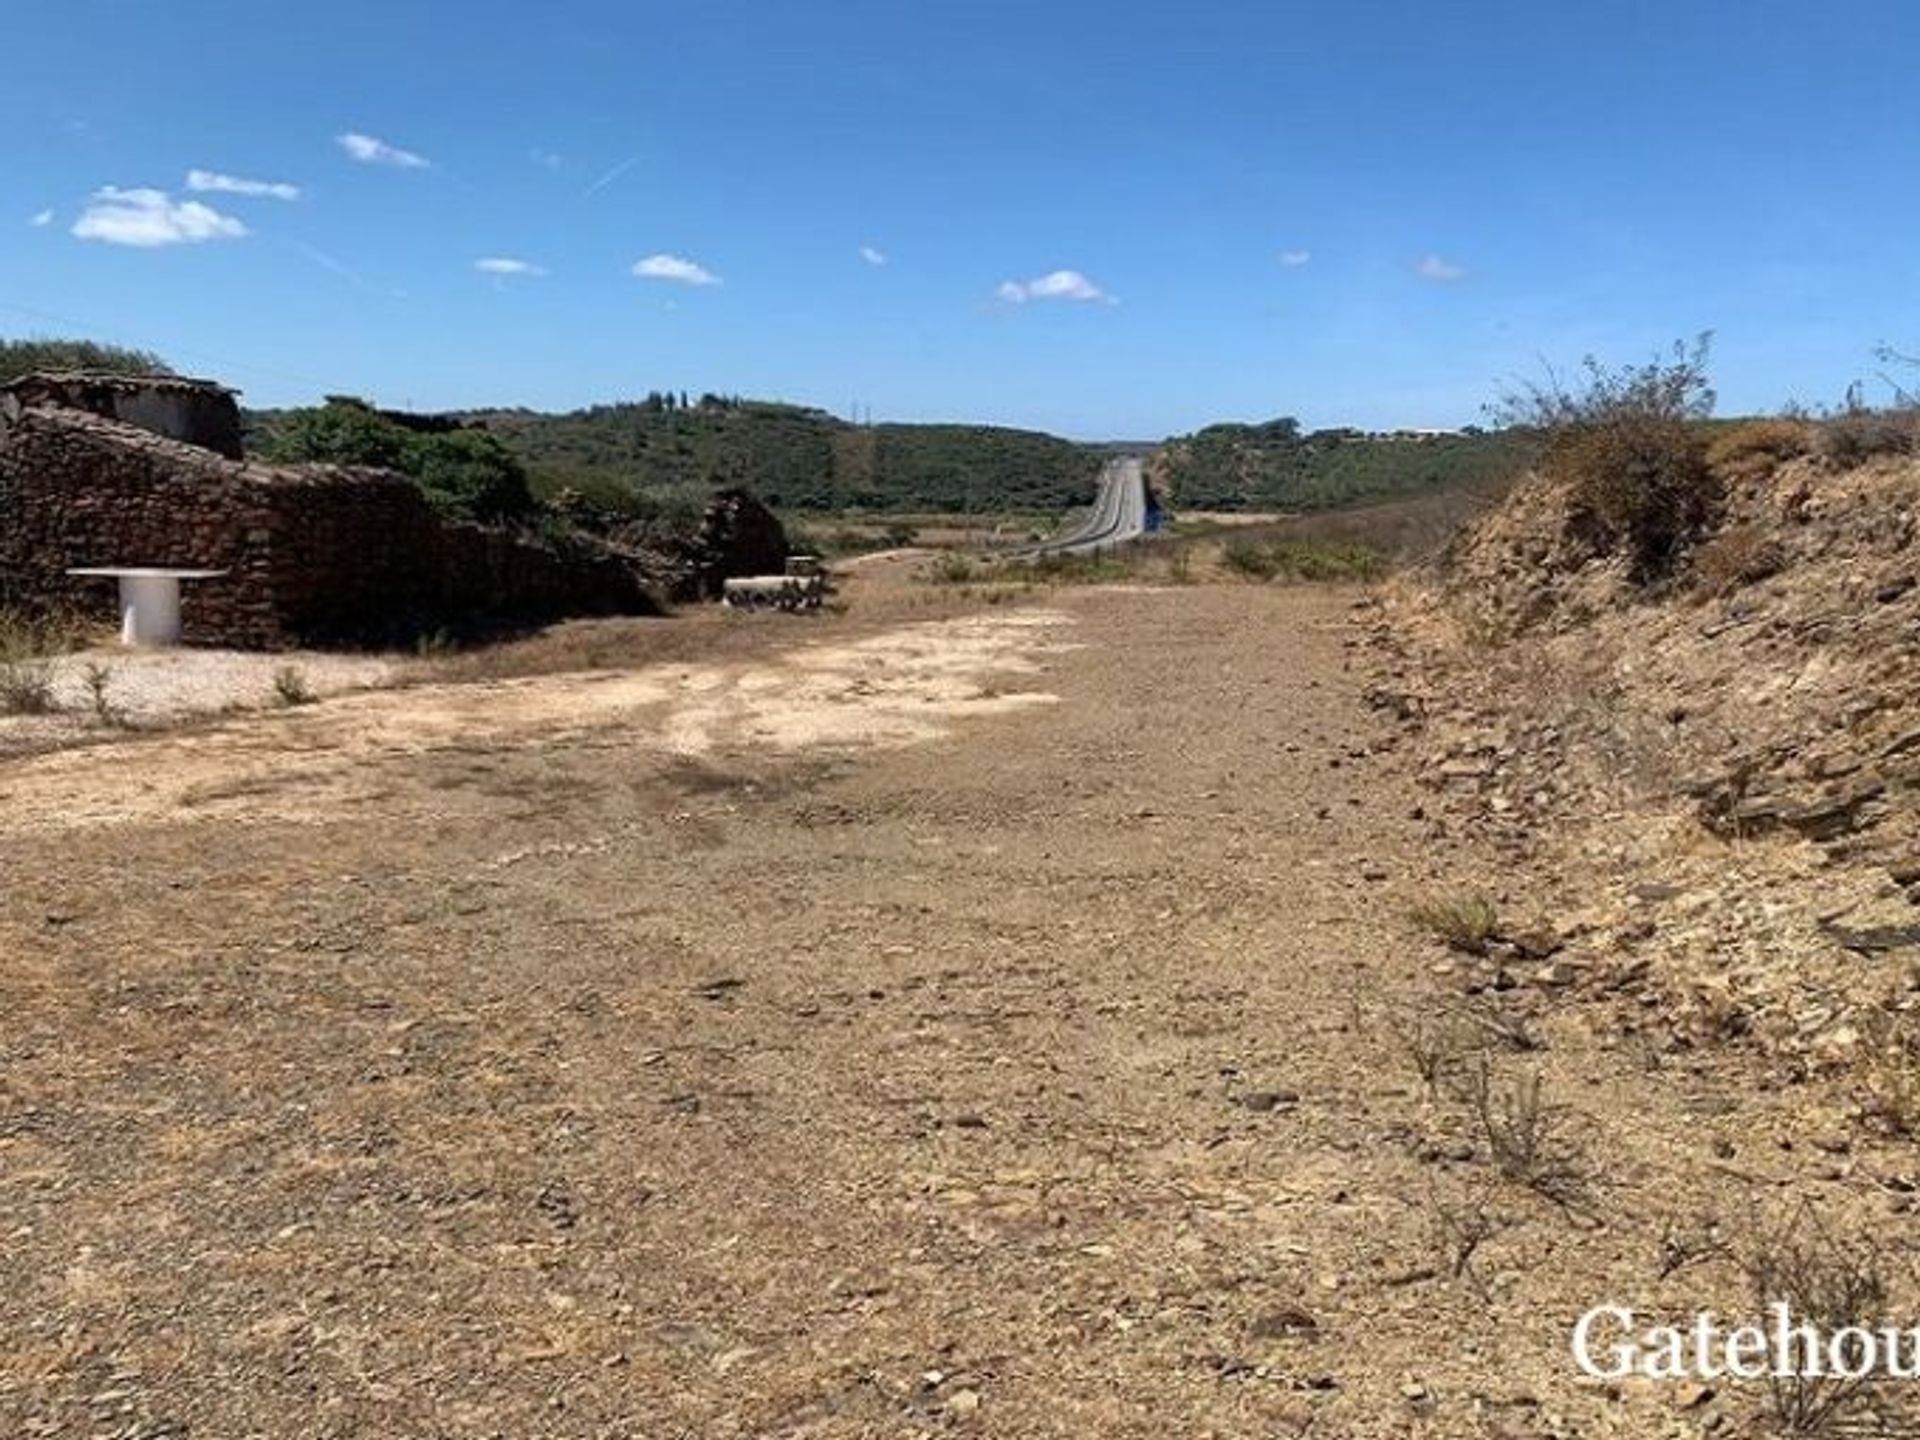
(1277, 466)
(663, 455)
(794, 458)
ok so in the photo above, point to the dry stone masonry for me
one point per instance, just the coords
(111, 471)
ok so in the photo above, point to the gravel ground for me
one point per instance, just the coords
(477, 1061)
(147, 688)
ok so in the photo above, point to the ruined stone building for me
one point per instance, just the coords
(104, 470)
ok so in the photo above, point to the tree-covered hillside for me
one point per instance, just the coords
(1276, 466)
(794, 458)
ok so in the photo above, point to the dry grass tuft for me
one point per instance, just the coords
(1857, 435)
(28, 644)
(1756, 449)
(1468, 923)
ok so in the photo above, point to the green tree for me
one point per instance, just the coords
(471, 475)
(467, 473)
(341, 432)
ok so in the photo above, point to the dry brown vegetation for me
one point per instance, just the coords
(1625, 446)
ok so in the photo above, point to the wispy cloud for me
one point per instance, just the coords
(873, 256)
(1294, 259)
(504, 265)
(369, 150)
(148, 218)
(41, 220)
(545, 159)
(1057, 285)
(332, 266)
(1438, 270)
(610, 176)
(676, 268)
(213, 181)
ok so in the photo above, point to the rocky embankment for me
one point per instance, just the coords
(1705, 788)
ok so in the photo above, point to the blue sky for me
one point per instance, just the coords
(1105, 219)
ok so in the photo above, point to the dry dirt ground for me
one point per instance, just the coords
(990, 1022)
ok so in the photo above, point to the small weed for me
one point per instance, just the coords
(1684, 1243)
(1890, 1071)
(1507, 1028)
(98, 679)
(434, 644)
(290, 686)
(1437, 1048)
(1526, 1138)
(1835, 1285)
(1459, 1231)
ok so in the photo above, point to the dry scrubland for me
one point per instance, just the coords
(1190, 1004)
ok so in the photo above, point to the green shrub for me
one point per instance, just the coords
(1249, 558)
(1312, 560)
(953, 568)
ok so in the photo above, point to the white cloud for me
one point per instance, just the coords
(545, 158)
(214, 181)
(674, 267)
(873, 256)
(370, 151)
(148, 218)
(505, 265)
(41, 220)
(1294, 259)
(1057, 285)
(1443, 272)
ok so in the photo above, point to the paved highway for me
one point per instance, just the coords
(1119, 513)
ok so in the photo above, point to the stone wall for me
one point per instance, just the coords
(738, 536)
(197, 411)
(315, 553)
